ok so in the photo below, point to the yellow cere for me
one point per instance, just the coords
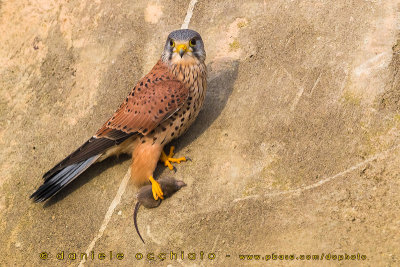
(182, 47)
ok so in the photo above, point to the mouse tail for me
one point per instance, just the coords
(135, 220)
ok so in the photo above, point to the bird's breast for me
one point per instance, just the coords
(195, 79)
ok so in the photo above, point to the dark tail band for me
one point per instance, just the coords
(60, 179)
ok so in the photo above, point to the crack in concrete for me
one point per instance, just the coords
(297, 191)
(109, 213)
(189, 14)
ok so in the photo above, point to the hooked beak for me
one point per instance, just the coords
(181, 49)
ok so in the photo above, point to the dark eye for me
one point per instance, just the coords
(192, 42)
(171, 43)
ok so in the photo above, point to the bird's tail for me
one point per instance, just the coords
(60, 179)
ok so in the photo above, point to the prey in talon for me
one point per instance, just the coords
(145, 196)
(160, 108)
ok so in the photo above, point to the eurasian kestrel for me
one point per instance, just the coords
(161, 107)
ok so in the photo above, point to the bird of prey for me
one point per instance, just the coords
(160, 108)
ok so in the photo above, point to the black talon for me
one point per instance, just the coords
(174, 169)
(188, 159)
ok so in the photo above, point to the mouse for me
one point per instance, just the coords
(145, 197)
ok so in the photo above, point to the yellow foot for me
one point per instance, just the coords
(156, 188)
(168, 159)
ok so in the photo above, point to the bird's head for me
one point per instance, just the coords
(184, 47)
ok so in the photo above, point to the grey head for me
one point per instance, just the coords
(183, 46)
(169, 186)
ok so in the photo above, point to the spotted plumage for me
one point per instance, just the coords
(160, 108)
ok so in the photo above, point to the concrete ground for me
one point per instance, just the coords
(296, 150)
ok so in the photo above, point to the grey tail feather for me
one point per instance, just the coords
(135, 220)
(60, 179)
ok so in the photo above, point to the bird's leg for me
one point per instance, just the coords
(168, 159)
(156, 188)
